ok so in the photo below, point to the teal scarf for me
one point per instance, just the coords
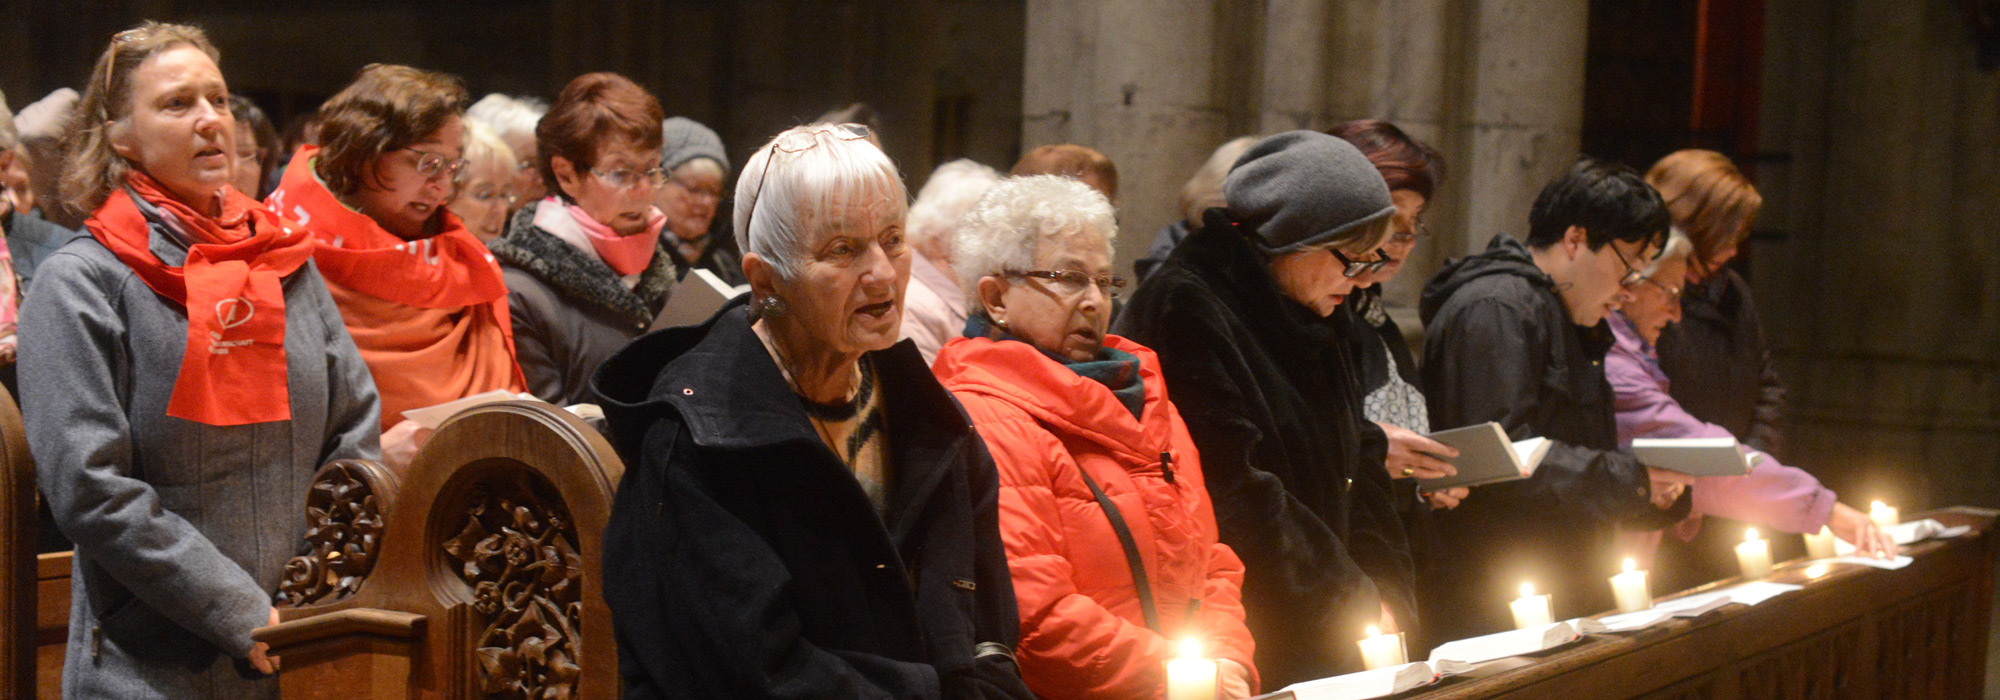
(1116, 369)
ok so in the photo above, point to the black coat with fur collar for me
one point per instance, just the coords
(1293, 467)
(569, 309)
(743, 560)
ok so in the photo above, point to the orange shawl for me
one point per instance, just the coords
(429, 316)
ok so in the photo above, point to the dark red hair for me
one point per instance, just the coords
(1405, 163)
(592, 110)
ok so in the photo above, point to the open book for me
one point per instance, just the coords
(1376, 683)
(697, 297)
(1501, 645)
(1486, 456)
(1693, 456)
(434, 416)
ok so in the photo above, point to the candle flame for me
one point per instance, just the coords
(1190, 648)
(1631, 566)
(1877, 505)
(1527, 589)
(1374, 631)
(1816, 571)
(1750, 535)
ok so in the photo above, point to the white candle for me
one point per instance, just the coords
(1883, 514)
(1379, 650)
(1631, 590)
(1754, 555)
(1531, 610)
(1191, 677)
(1819, 545)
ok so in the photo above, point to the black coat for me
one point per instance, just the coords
(743, 560)
(1499, 346)
(1294, 469)
(1719, 365)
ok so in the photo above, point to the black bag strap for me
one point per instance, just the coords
(1131, 546)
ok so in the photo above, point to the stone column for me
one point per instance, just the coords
(1135, 80)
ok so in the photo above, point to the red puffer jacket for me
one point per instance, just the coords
(1082, 631)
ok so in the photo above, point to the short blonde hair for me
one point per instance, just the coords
(1204, 191)
(1003, 230)
(483, 146)
(802, 179)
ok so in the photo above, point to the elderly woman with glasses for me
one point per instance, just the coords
(1772, 495)
(483, 198)
(587, 268)
(1094, 459)
(419, 292)
(1239, 315)
(806, 512)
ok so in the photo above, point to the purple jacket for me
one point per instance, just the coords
(1773, 495)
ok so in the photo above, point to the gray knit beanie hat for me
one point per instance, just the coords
(1303, 188)
(683, 139)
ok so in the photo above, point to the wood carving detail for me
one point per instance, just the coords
(343, 537)
(1915, 643)
(518, 553)
(1819, 667)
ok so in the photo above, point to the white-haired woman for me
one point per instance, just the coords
(1093, 458)
(934, 310)
(514, 120)
(807, 513)
(484, 186)
(1772, 495)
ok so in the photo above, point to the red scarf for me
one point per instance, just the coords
(627, 255)
(450, 270)
(233, 371)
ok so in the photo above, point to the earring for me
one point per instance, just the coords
(772, 307)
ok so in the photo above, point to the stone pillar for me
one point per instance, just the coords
(1136, 80)
(1520, 119)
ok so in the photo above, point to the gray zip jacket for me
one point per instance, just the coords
(182, 529)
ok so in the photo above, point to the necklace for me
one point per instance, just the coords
(818, 413)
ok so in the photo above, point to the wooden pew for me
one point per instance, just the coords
(1917, 633)
(474, 575)
(21, 573)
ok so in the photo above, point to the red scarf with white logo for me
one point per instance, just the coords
(429, 316)
(233, 371)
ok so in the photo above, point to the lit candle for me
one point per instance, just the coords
(1531, 610)
(1191, 677)
(1819, 545)
(1883, 514)
(1379, 650)
(1754, 555)
(1816, 570)
(1631, 590)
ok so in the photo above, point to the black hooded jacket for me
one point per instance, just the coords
(1499, 346)
(1293, 468)
(743, 560)
(1719, 366)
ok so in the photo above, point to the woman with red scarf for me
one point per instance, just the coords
(183, 374)
(419, 292)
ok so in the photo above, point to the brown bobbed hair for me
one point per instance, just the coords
(386, 109)
(91, 170)
(1710, 201)
(1405, 163)
(1069, 160)
(595, 109)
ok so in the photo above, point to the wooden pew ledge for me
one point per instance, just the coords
(364, 622)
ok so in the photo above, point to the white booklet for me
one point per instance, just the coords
(434, 416)
(1375, 683)
(1693, 456)
(697, 297)
(1501, 645)
(1688, 606)
(1486, 456)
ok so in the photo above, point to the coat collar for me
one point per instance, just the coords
(1221, 257)
(579, 276)
(1018, 374)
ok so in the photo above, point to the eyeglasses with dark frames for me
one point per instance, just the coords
(794, 143)
(1357, 268)
(1632, 275)
(1074, 282)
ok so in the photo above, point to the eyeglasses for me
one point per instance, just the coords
(1418, 231)
(490, 194)
(430, 165)
(627, 178)
(795, 142)
(701, 192)
(1672, 292)
(1357, 268)
(1632, 276)
(1073, 282)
